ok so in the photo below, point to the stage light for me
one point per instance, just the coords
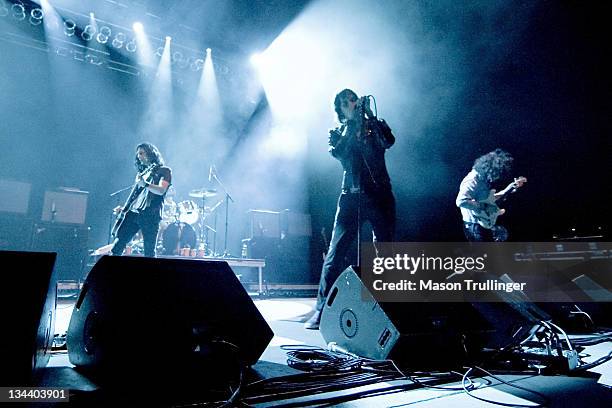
(256, 60)
(36, 16)
(138, 27)
(103, 35)
(131, 46)
(93, 59)
(208, 51)
(118, 40)
(197, 65)
(69, 26)
(18, 11)
(88, 32)
(168, 39)
(177, 57)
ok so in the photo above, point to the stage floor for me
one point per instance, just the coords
(286, 317)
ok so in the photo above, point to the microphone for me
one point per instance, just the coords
(364, 103)
(210, 173)
(53, 211)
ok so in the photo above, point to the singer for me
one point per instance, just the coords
(143, 208)
(359, 143)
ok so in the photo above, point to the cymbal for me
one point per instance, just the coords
(202, 193)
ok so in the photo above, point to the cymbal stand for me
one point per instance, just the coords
(228, 198)
(203, 243)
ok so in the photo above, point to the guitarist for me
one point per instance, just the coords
(477, 201)
(143, 208)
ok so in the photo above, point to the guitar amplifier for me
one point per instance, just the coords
(67, 206)
(14, 196)
(264, 223)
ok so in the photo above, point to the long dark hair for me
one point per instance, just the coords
(153, 155)
(493, 165)
(345, 93)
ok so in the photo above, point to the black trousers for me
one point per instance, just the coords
(378, 209)
(146, 221)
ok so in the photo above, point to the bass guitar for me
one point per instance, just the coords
(136, 189)
(487, 215)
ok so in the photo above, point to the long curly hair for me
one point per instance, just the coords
(152, 153)
(343, 94)
(493, 165)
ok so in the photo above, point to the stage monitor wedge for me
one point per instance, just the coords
(28, 310)
(421, 335)
(157, 317)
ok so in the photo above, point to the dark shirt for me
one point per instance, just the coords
(363, 158)
(149, 201)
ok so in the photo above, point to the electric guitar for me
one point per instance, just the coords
(487, 215)
(136, 189)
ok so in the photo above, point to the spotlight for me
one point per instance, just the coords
(36, 16)
(131, 46)
(88, 32)
(177, 57)
(168, 38)
(118, 40)
(138, 27)
(103, 35)
(208, 51)
(69, 26)
(197, 65)
(93, 59)
(18, 11)
(256, 60)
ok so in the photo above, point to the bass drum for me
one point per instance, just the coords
(176, 236)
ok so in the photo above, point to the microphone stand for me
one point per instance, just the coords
(110, 222)
(228, 198)
(362, 135)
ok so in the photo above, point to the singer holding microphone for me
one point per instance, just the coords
(359, 143)
(143, 208)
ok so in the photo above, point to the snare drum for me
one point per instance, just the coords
(188, 212)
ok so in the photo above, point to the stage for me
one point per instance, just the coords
(286, 316)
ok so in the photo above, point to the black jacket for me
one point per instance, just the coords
(363, 158)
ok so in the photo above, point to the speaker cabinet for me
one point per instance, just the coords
(28, 315)
(70, 243)
(15, 232)
(163, 320)
(423, 335)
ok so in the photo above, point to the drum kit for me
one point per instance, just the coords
(183, 229)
